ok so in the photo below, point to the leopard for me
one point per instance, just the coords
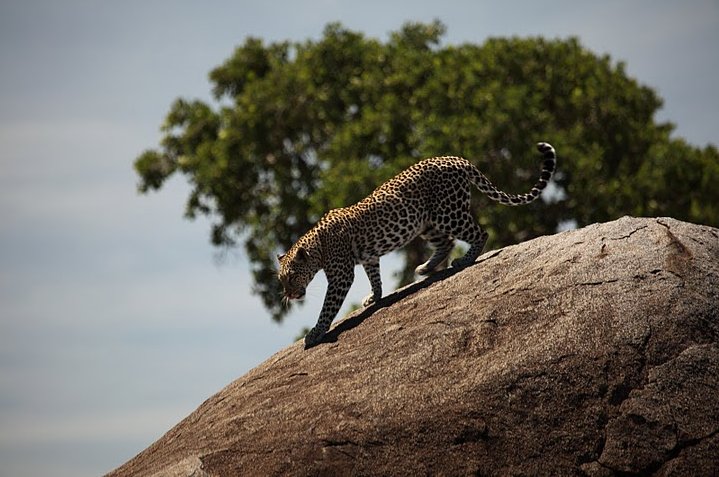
(430, 199)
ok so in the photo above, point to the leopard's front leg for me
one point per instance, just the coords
(339, 281)
(372, 270)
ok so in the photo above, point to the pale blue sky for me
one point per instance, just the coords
(115, 321)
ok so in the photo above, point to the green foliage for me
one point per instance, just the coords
(299, 128)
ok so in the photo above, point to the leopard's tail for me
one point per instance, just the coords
(487, 188)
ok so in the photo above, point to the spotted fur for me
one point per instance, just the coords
(429, 199)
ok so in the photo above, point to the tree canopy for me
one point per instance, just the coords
(298, 128)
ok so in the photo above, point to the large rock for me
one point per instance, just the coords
(590, 352)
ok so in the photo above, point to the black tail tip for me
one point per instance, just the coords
(545, 148)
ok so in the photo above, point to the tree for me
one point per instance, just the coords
(299, 128)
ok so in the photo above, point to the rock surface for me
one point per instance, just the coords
(591, 352)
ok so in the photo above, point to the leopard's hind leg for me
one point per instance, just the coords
(453, 218)
(472, 233)
(466, 229)
(441, 243)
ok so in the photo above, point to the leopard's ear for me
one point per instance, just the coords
(281, 256)
(302, 254)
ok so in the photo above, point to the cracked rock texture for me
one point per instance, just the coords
(591, 352)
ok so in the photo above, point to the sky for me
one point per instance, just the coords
(116, 318)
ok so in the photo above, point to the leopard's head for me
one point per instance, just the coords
(296, 271)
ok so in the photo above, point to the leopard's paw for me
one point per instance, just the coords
(314, 337)
(424, 269)
(370, 300)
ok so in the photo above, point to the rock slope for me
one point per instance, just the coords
(590, 352)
